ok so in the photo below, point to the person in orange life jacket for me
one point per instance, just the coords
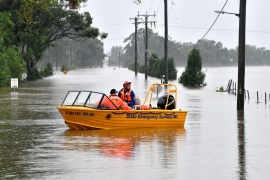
(127, 94)
(119, 103)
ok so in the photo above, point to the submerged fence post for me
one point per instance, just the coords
(235, 88)
(257, 97)
(227, 89)
(229, 86)
(265, 98)
(248, 94)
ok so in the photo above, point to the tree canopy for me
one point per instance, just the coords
(156, 67)
(193, 75)
(39, 23)
(11, 64)
(75, 54)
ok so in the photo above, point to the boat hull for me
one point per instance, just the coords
(90, 118)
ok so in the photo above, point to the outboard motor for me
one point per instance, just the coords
(162, 102)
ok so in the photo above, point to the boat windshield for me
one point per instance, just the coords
(89, 99)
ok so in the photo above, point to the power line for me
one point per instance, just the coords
(146, 38)
(214, 21)
(151, 54)
(114, 39)
(136, 44)
(190, 27)
(173, 3)
(158, 7)
(209, 27)
(113, 24)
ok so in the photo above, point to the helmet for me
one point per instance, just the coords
(126, 83)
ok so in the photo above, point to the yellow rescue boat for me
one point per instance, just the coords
(84, 110)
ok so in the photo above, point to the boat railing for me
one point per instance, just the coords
(170, 90)
(97, 100)
(88, 99)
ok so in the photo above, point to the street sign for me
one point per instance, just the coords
(14, 83)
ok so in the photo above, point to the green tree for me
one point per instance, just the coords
(114, 55)
(79, 54)
(48, 70)
(38, 24)
(193, 76)
(11, 64)
(172, 71)
(5, 74)
(156, 67)
(89, 53)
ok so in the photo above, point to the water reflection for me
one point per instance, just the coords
(123, 143)
(241, 145)
(25, 121)
(35, 143)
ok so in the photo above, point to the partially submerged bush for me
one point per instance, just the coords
(193, 75)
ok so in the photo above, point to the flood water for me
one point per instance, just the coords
(217, 141)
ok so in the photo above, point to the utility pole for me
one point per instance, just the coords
(166, 40)
(146, 41)
(136, 43)
(241, 53)
(136, 46)
(146, 48)
(241, 56)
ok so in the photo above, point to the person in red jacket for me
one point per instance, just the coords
(127, 94)
(117, 102)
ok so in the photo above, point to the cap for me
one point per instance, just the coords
(113, 91)
(126, 83)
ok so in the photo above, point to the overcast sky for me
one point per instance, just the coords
(188, 20)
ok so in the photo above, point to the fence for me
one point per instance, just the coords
(232, 89)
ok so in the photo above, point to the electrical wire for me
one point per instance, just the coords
(139, 50)
(151, 54)
(114, 39)
(173, 3)
(213, 22)
(208, 28)
(113, 24)
(158, 7)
